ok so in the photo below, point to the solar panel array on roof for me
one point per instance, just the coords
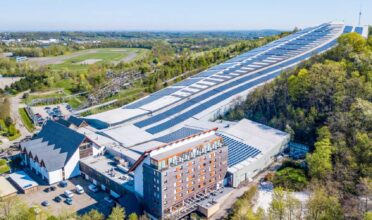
(151, 98)
(274, 53)
(238, 151)
(199, 107)
(359, 30)
(188, 82)
(179, 134)
(348, 29)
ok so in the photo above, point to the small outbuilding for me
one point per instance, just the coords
(7, 190)
(23, 181)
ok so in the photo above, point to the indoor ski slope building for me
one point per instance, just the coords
(167, 129)
(190, 106)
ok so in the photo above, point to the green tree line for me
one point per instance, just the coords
(326, 103)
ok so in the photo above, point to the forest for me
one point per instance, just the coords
(325, 103)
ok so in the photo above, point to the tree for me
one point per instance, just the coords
(368, 216)
(13, 209)
(353, 40)
(323, 206)
(93, 215)
(290, 178)
(284, 206)
(319, 161)
(277, 206)
(117, 213)
(133, 216)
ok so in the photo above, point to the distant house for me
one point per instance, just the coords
(55, 152)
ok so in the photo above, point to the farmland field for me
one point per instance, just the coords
(82, 59)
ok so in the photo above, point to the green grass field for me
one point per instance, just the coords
(101, 55)
(26, 120)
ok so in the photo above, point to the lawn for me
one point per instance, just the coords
(102, 55)
(26, 120)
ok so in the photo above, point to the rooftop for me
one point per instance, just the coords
(23, 180)
(183, 146)
(54, 145)
(107, 166)
(6, 188)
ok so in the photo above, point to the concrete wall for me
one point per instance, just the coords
(97, 149)
(138, 178)
(72, 167)
(98, 179)
(55, 176)
(258, 164)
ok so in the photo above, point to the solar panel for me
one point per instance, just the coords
(238, 151)
(201, 107)
(288, 49)
(359, 30)
(188, 82)
(348, 29)
(176, 135)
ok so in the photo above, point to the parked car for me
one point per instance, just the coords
(47, 190)
(63, 184)
(58, 199)
(79, 189)
(68, 194)
(109, 199)
(93, 188)
(68, 201)
(45, 203)
(53, 188)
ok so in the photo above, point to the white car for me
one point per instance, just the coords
(79, 189)
(68, 194)
(108, 199)
(93, 188)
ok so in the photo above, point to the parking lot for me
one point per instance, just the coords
(42, 113)
(81, 203)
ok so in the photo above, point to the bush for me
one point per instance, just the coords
(4, 168)
(290, 178)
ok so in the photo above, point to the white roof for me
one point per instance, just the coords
(97, 138)
(128, 134)
(160, 103)
(117, 115)
(257, 135)
(23, 180)
(6, 188)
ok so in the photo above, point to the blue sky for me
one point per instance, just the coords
(177, 14)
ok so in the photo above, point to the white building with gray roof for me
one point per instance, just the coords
(54, 153)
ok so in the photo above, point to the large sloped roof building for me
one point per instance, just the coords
(54, 153)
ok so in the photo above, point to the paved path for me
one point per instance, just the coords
(15, 104)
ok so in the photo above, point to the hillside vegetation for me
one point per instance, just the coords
(326, 103)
